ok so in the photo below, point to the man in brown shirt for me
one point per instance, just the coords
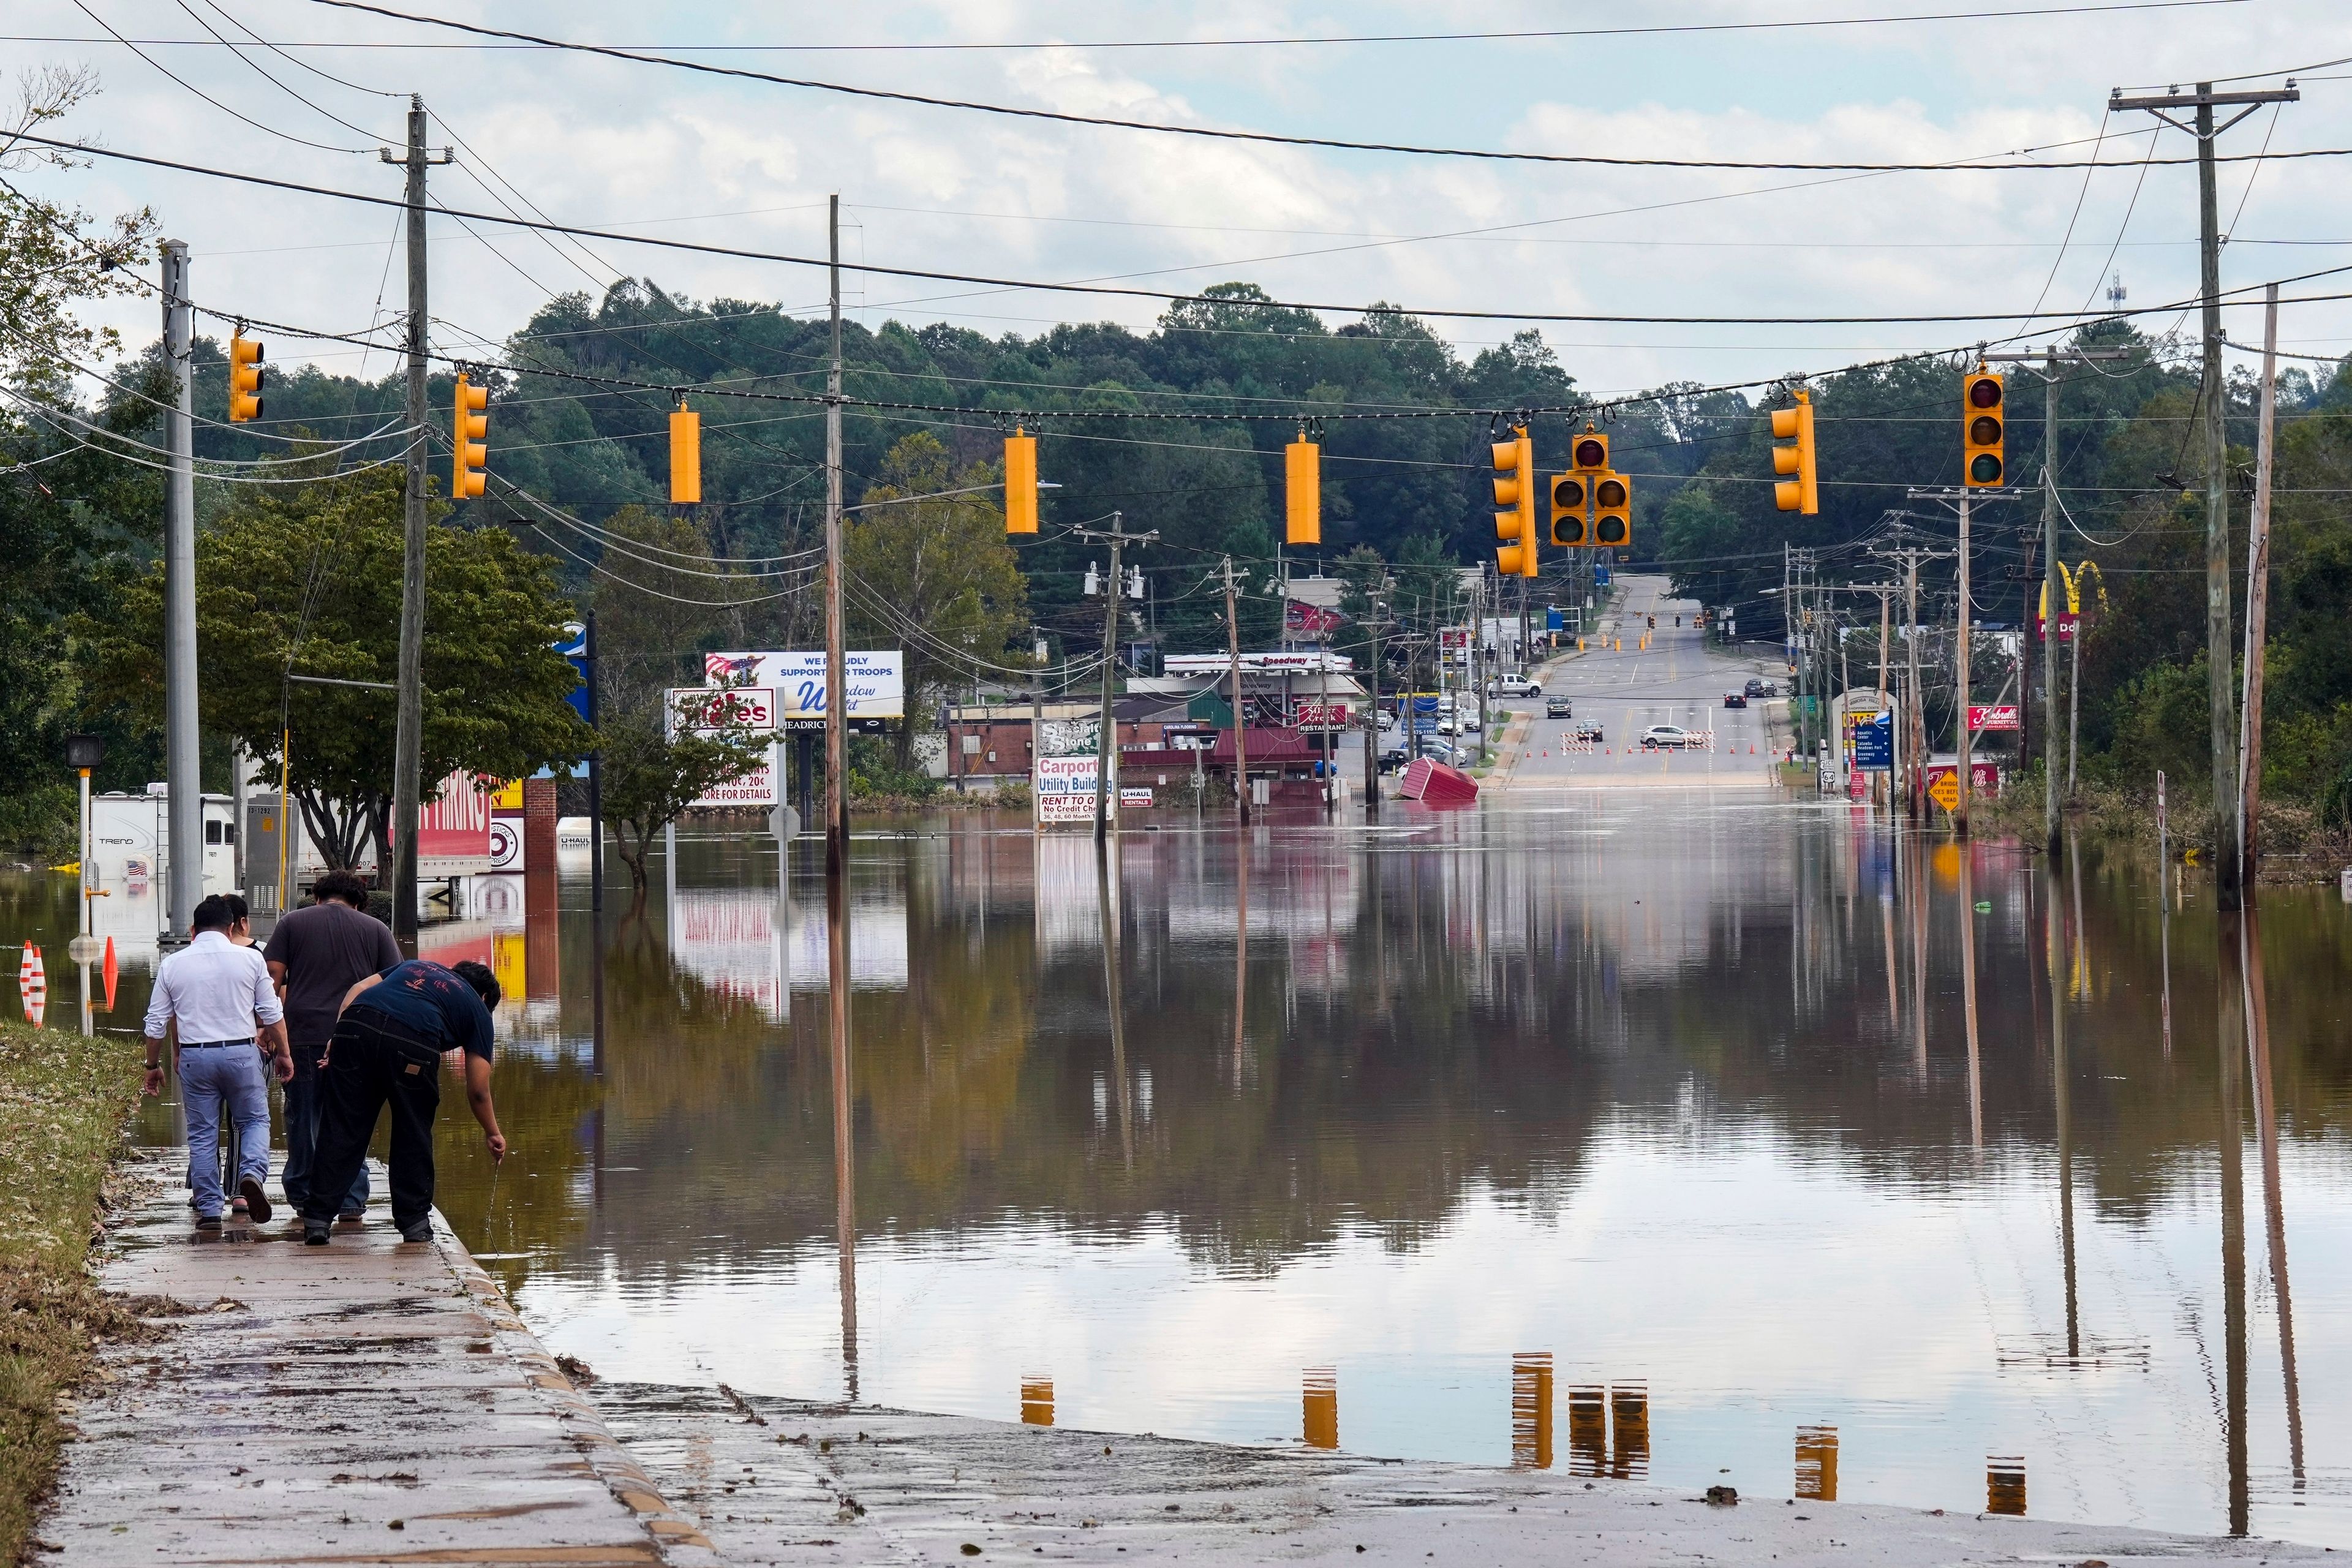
(316, 955)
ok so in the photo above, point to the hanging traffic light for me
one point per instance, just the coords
(245, 378)
(1801, 494)
(1515, 462)
(470, 431)
(1982, 418)
(1302, 472)
(1019, 482)
(1612, 510)
(685, 454)
(1569, 492)
(1588, 453)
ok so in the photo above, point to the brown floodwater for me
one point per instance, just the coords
(1702, 1141)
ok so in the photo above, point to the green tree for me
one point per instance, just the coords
(305, 580)
(934, 576)
(654, 774)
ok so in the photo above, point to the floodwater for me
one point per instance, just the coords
(1659, 1137)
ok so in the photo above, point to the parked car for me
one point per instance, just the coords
(1735, 700)
(1513, 686)
(1664, 737)
(1587, 730)
(1557, 708)
(1760, 688)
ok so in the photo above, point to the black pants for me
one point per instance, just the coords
(376, 1062)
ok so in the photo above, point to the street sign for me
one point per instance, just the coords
(1873, 743)
(1065, 790)
(2003, 716)
(1943, 789)
(1857, 785)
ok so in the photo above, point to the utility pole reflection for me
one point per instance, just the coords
(1968, 992)
(845, 1178)
(2257, 1052)
(1107, 882)
(2231, 995)
(2055, 943)
(1531, 1410)
(1241, 948)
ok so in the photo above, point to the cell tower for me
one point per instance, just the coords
(2116, 292)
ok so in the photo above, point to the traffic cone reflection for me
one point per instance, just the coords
(1531, 1410)
(1320, 1407)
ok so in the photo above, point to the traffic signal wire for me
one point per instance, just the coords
(1271, 138)
(1169, 296)
(181, 81)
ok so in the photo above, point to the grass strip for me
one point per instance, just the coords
(64, 1100)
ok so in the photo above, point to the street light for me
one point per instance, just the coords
(84, 753)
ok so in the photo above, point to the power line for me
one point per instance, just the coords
(1271, 138)
(216, 103)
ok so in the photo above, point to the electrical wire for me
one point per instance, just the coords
(290, 59)
(254, 67)
(1271, 138)
(216, 103)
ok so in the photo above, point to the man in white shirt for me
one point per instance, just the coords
(216, 991)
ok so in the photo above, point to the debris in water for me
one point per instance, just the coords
(1723, 1496)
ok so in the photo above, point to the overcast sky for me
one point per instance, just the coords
(660, 152)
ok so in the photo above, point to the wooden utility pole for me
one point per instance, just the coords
(1373, 718)
(836, 658)
(2219, 651)
(2258, 595)
(408, 722)
(1241, 743)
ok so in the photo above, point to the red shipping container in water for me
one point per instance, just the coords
(1434, 784)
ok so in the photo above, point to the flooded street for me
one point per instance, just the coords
(1669, 1135)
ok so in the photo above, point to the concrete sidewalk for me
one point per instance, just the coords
(777, 1481)
(361, 1403)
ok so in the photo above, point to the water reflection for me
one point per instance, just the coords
(2005, 1485)
(1531, 1410)
(1662, 1086)
(1817, 1463)
(1037, 1401)
(1320, 1407)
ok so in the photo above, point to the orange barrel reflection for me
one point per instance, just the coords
(1629, 1411)
(1588, 1429)
(1817, 1456)
(2004, 1484)
(1319, 1406)
(1036, 1402)
(1531, 1410)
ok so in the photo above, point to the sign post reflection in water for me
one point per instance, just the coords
(1531, 1410)
(1320, 1407)
(2054, 928)
(1969, 990)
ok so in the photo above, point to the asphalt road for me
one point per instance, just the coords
(1677, 679)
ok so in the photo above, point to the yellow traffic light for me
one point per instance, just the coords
(1569, 492)
(685, 456)
(1982, 422)
(245, 378)
(1588, 453)
(1801, 494)
(1515, 488)
(1612, 510)
(1302, 472)
(469, 430)
(1019, 482)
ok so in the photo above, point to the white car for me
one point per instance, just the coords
(1513, 686)
(1659, 737)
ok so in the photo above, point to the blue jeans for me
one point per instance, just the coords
(302, 1136)
(218, 1078)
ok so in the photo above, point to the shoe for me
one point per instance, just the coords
(315, 1231)
(420, 1231)
(236, 1205)
(256, 1202)
(351, 1217)
(208, 1222)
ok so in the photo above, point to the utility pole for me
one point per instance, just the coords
(408, 724)
(2227, 866)
(1106, 726)
(1241, 745)
(2258, 573)
(181, 741)
(837, 657)
(2048, 358)
(1914, 721)
(1372, 717)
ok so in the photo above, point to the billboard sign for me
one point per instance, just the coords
(1301, 619)
(452, 831)
(876, 678)
(2003, 716)
(1065, 790)
(724, 711)
(1322, 716)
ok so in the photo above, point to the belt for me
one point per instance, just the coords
(213, 1045)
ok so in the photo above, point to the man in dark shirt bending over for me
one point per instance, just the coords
(316, 954)
(387, 1049)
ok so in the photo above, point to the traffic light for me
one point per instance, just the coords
(1982, 419)
(1612, 510)
(1302, 473)
(685, 456)
(245, 379)
(1802, 493)
(1569, 492)
(1019, 482)
(469, 430)
(1515, 462)
(1588, 453)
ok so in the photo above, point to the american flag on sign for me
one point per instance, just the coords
(721, 667)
